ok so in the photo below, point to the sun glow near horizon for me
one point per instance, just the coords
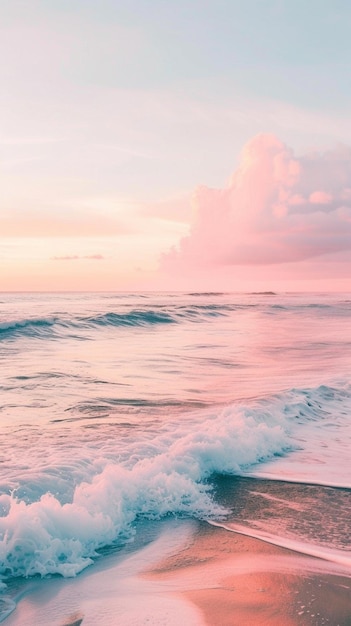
(115, 148)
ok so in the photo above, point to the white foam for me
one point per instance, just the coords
(321, 432)
(144, 475)
(117, 591)
(47, 537)
(114, 593)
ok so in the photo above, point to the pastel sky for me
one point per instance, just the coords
(175, 144)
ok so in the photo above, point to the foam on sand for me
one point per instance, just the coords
(113, 592)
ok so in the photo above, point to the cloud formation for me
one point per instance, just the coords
(277, 208)
(76, 257)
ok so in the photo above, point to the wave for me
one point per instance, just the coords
(168, 475)
(263, 293)
(44, 327)
(133, 318)
(56, 326)
(165, 472)
(34, 327)
(207, 293)
(319, 306)
(162, 315)
(159, 315)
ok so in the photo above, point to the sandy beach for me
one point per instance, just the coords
(249, 582)
(193, 574)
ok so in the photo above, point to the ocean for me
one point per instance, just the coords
(129, 418)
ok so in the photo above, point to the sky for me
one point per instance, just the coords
(175, 144)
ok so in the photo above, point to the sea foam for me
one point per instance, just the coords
(155, 476)
(50, 537)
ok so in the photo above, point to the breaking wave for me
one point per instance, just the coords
(156, 476)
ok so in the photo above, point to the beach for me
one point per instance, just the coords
(214, 578)
(251, 582)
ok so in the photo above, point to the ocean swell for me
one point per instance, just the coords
(31, 327)
(158, 315)
(133, 318)
(57, 325)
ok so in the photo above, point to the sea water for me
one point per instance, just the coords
(120, 410)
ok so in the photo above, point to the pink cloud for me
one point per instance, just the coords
(94, 257)
(68, 257)
(75, 257)
(277, 208)
(320, 197)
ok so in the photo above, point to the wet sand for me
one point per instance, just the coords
(248, 582)
(193, 574)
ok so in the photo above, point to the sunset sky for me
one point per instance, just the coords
(175, 144)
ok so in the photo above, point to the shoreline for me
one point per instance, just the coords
(194, 574)
(236, 580)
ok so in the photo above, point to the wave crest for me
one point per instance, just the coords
(31, 327)
(169, 477)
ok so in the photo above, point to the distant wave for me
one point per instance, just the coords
(309, 305)
(207, 293)
(341, 309)
(263, 293)
(35, 327)
(42, 327)
(164, 314)
(133, 318)
(158, 315)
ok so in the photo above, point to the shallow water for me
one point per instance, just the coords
(118, 408)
